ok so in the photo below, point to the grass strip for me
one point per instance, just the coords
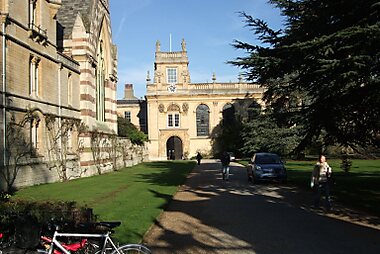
(135, 196)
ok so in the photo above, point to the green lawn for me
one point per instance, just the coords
(135, 196)
(359, 189)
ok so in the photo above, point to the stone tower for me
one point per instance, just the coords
(171, 69)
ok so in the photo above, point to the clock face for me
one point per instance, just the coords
(172, 88)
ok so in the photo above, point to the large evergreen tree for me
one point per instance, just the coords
(324, 65)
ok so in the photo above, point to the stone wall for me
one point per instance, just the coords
(35, 171)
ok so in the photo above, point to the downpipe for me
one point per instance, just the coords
(4, 79)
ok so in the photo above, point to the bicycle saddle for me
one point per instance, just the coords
(111, 224)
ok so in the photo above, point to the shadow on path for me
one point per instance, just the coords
(209, 215)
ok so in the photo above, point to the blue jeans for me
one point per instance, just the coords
(323, 188)
(226, 172)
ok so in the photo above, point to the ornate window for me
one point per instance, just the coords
(202, 116)
(100, 91)
(35, 30)
(172, 75)
(173, 120)
(33, 76)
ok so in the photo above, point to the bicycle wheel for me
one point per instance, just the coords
(132, 248)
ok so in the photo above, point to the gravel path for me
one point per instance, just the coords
(209, 215)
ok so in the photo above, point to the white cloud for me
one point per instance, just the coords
(120, 27)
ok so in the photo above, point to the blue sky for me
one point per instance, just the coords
(208, 27)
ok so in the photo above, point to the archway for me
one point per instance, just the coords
(174, 150)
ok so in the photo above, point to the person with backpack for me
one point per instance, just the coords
(320, 182)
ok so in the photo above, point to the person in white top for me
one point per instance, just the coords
(320, 182)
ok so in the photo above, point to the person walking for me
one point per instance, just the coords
(225, 159)
(320, 182)
(199, 158)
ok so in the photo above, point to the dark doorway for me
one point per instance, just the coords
(174, 148)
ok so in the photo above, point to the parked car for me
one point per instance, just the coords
(266, 166)
(232, 156)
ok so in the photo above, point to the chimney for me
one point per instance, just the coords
(128, 92)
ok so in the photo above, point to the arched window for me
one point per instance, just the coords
(202, 113)
(100, 76)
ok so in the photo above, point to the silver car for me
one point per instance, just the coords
(266, 166)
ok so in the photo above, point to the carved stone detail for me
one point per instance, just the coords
(161, 108)
(174, 107)
(185, 107)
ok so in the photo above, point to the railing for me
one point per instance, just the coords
(38, 29)
(169, 54)
(208, 88)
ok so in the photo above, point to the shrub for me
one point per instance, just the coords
(128, 130)
(67, 213)
(346, 164)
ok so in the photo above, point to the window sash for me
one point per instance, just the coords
(173, 120)
(203, 120)
(176, 120)
(127, 115)
(172, 75)
(33, 86)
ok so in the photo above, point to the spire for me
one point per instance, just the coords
(213, 77)
(183, 44)
(158, 46)
(147, 77)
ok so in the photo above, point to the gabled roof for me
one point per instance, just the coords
(68, 12)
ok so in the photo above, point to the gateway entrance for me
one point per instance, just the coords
(174, 148)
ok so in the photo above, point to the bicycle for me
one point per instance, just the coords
(107, 247)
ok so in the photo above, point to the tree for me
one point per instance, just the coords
(326, 60)
(18, 148)
(98, 144)
(113, 147)
(127, 129)
(265, 134)
(65, 146)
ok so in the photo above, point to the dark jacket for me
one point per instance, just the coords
(225, 159)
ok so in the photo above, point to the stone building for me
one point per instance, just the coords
(37, 80)
(58, 66)
(133, 109)
(84, 30)
(182, 115)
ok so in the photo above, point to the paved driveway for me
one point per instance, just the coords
(209, 215)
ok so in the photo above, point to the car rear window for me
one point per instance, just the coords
(267, 159)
